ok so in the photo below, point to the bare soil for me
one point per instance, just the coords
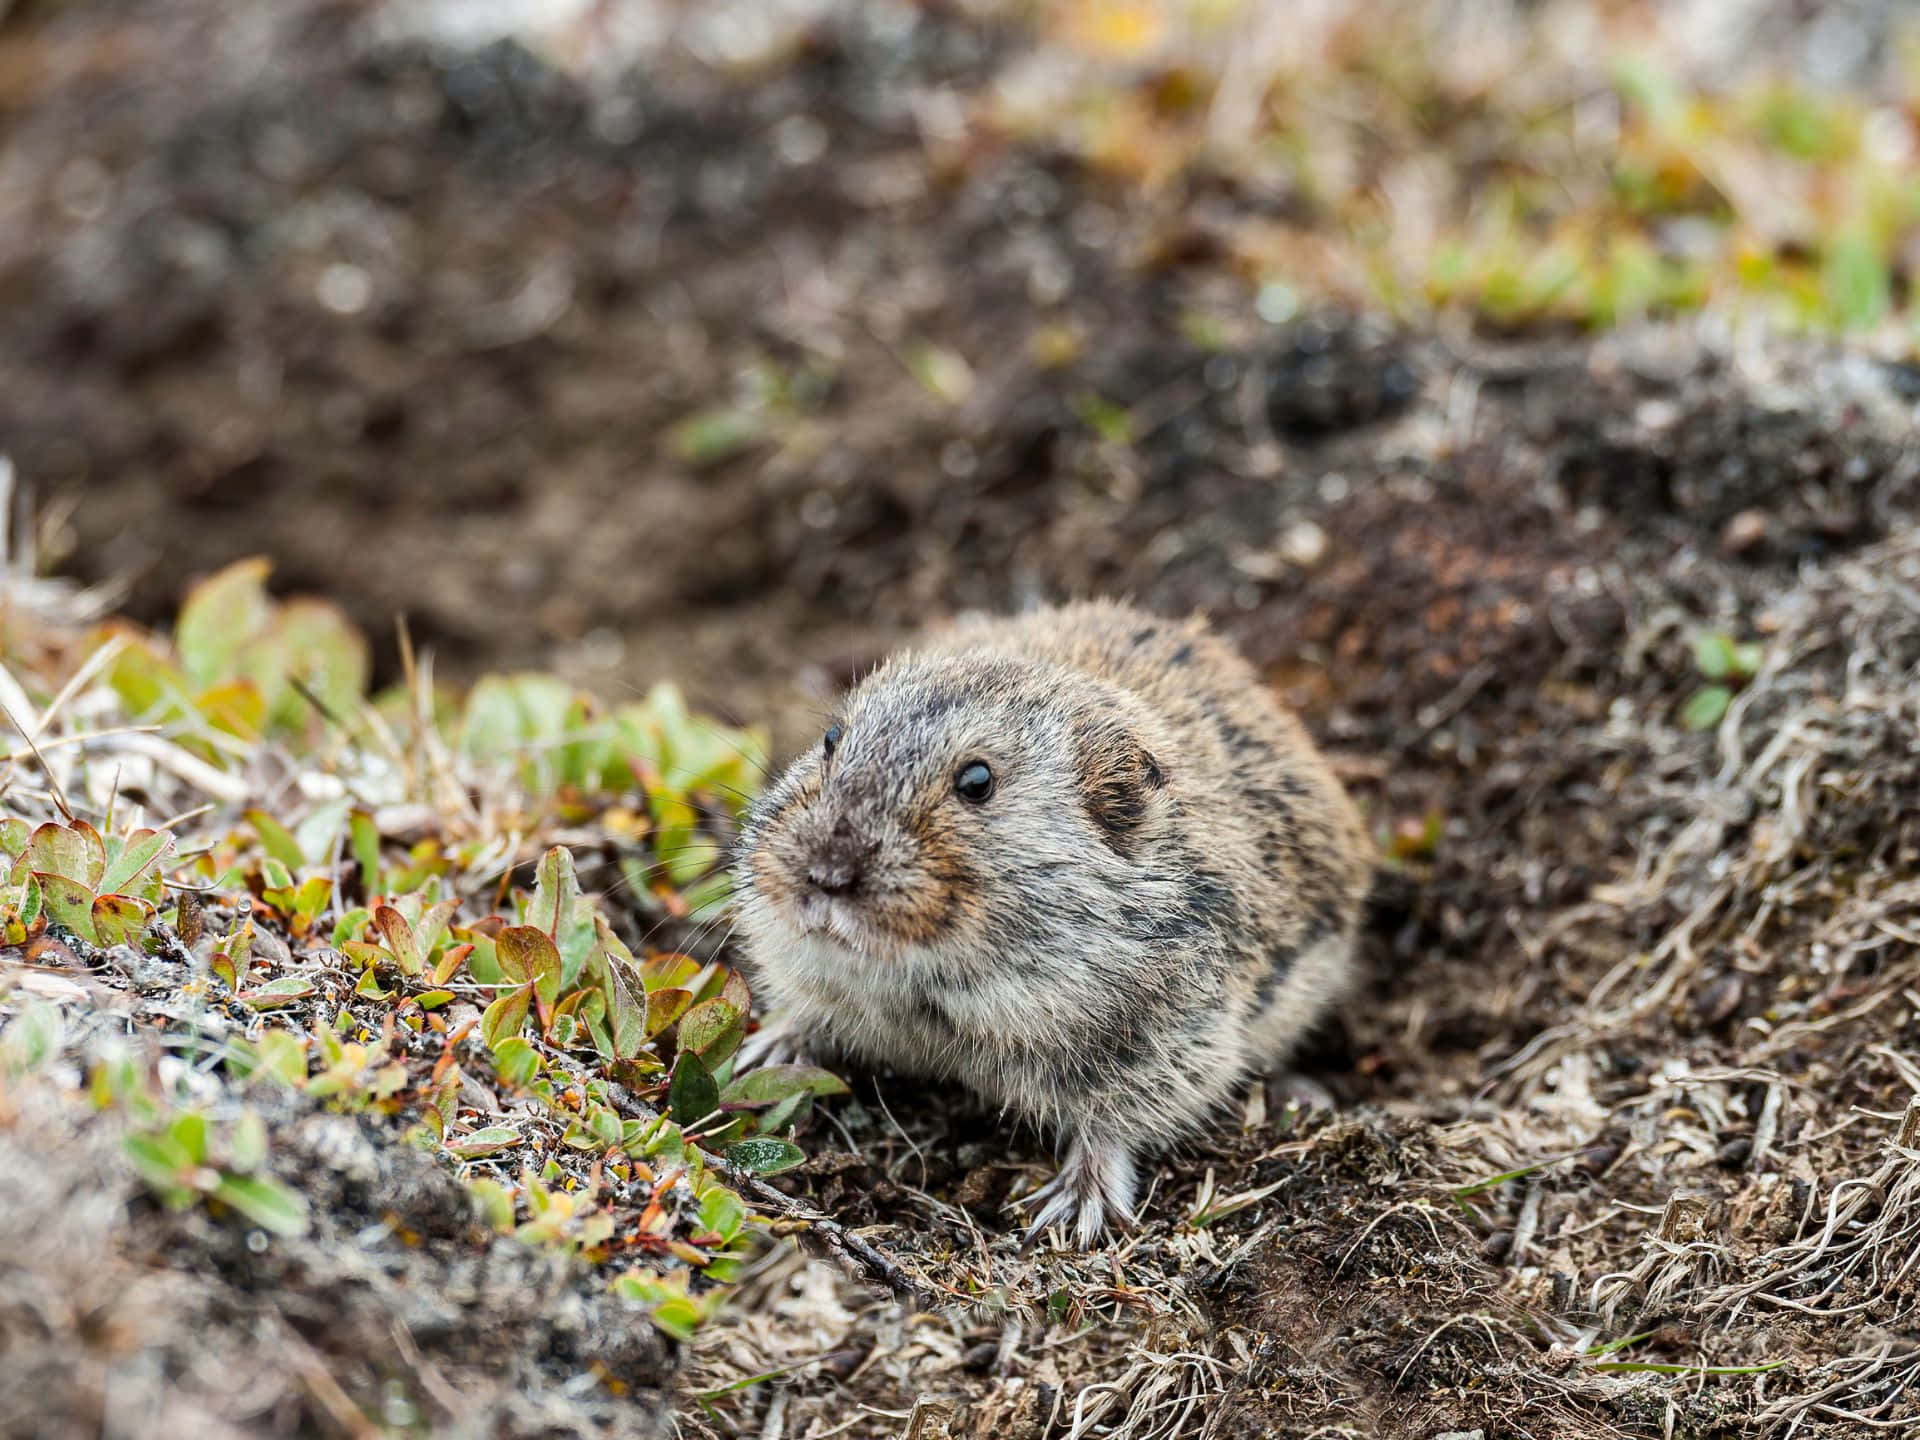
(1666, 962)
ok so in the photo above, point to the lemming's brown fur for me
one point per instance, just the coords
(1157, 898)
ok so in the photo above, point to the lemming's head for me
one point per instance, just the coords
(946, 796)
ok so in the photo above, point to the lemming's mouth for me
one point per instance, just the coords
(845, 921)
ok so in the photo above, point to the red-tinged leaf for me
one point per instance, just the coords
(120, 919)
(451, 962)
(614, 948)
(433, 925)
(555, 890)
(60, 850)
(626, 1010)
(528, 953)
(663, 1008)
(398, 934)
(735, 992)
(668, 972)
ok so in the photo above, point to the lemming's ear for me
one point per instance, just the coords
(1117, 780)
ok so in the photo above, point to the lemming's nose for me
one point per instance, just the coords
(840, 864)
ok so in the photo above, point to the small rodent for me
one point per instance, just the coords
(1080, 861)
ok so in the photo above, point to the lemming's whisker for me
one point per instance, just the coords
(740, 752)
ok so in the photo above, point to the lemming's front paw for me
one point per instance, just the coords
(777, 1042)
(1094, 1190)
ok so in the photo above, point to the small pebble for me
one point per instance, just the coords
(1745, 531)
(1304, 544)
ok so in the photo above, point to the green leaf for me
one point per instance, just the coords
(1478, 1187)
(32, 1039)
(149, 686)
(516, 1062)
(267, 1203)
(1855, 281)
(68, 903)
(32, 901)
(626, 1011)
(709, 436)
(350, 927)
(162, 1165)
(712, 1030)
(505, 1016)
(140, 852)
(1713, 654)
(784, 1115)
(494, 1204)
(277, 839)
(189, 1132)
(278, 993)
(677, 1318)
(765, 1156)
(283, 1058)
(221, 614)
(721, 1212)
(317, 645)
(1705, 707)
(364, 840)
(691, 1094)
(1624, 1342)
(489, 1141)
(247, 1150)
(775, 1083)
(432, 928)
(14, 835)
(311, 898)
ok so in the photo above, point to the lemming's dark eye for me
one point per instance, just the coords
(974, 782)
(830, 740)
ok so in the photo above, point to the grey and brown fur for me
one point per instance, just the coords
(1157, 899)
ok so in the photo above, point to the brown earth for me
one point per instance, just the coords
(1477, 569)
